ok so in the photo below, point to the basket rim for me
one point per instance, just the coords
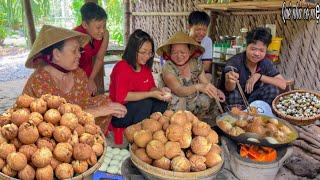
(99, 162)
(297, 120)
(165, 173)
(87, 172)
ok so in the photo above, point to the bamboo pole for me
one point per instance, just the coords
(160, 13)
(126, 20)
(30, 22)
(245, 13)
(95, 1)
(132, 18)
(271, 5)
(213, 28)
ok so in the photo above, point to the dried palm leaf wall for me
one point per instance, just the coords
(169, 16)
(300, 53)
(300, 50)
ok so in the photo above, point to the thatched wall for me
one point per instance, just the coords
(300, 53)
(162, 26)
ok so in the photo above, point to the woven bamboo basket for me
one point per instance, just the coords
(291, 119)
(155, 173)
(80, 176)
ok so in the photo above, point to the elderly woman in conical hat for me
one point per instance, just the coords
(185, 75)
(55, 57)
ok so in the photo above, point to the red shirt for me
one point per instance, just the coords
(124, 79)
(89, 51)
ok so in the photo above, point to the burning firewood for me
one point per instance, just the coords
(258, 153)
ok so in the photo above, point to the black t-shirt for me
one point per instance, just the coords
(265, 67)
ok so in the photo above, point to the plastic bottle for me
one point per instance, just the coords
(243, 34)
(217, 50)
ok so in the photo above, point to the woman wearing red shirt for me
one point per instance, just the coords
(132, 83)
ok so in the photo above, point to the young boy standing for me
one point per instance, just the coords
(198, 22)
(93, 23)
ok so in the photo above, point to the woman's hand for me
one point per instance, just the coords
(92, 87)
(165, 90)
(115, 109)
(167, 94)
(211, 91)
(208, 89)
(221, 96)
(158, 94)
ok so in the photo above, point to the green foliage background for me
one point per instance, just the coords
(76, 5)
(12, 17)
(115, 20)
(114, 9)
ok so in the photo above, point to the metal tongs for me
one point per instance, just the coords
(219, 105)
(246, 103)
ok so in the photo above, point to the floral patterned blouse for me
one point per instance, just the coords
(197, 103)
(41, 82)
(195, 68)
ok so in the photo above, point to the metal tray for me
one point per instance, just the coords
(245, 137)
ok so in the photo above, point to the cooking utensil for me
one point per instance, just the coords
(253, 138)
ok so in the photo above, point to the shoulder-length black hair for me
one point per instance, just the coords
(136, 40)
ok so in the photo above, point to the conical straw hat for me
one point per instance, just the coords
(180, 38)
(50, 35)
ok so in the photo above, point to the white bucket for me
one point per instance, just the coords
(254, 171)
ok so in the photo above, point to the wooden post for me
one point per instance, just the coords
(29, 18)
(99, 80)
(132, 18)
(127, 15)
(213, 28)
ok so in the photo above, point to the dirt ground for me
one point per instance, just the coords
(9, 91)
(11, 84)
(9, 51)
